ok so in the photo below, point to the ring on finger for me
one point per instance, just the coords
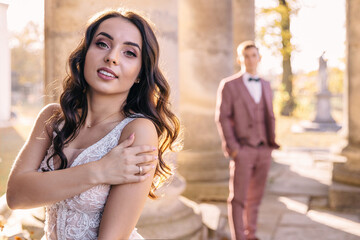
(140, 170)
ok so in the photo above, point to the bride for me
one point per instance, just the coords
(94, 158)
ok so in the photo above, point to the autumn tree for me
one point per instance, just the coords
(276, 35)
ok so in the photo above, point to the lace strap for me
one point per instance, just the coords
(106, 143)
(128, 120)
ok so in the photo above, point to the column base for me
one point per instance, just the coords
(201, 166)
(207, 191)
(171, 216)
(344, 174)
(344, 197)
(344, 192)
(174, 220)
(206, 174)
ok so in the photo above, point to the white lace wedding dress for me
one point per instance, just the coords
(78, 218)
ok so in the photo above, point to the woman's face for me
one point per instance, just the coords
(113, 60)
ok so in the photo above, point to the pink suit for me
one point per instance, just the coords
(247, 130)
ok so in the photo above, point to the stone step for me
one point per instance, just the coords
(344, 197)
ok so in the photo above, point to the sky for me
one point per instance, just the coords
(318, 26)
(20, 12)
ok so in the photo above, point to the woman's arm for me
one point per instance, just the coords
(125, 202)
(28, 188)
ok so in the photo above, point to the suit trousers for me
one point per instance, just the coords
(248, 175)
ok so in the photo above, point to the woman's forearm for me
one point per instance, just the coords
(34, 189)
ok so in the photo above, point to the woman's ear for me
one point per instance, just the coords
(137, 80)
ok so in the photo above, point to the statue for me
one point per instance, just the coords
(323, 74)
(323, 120)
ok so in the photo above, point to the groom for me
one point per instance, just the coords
(246, 123)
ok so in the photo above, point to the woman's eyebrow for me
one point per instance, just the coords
(126, 43)
(133, 44)
(106, 35)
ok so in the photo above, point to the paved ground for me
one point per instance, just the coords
(295, 206)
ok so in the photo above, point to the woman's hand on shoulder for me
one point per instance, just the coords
(138, 145)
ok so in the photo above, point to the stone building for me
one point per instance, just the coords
(198, 41)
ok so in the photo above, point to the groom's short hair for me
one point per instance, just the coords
(246, 45)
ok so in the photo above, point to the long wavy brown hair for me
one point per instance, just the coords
(149, 97)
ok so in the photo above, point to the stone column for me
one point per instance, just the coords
(5, 66)
(65, 22)
(171, 216)
(243, 24)
(164, 14)
(347, 194)
(206, 45)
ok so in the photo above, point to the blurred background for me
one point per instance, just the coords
(309, 52)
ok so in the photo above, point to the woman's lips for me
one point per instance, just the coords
(106, 74)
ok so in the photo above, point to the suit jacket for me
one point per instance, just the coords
(234, 117)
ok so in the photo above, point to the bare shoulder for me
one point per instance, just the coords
(142, 126)
(49, 110)
(144, 129)
(42, 121)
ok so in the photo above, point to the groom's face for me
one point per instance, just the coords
(250, 59)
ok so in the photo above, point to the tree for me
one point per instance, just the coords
(280, 41)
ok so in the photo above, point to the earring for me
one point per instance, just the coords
(137, 80)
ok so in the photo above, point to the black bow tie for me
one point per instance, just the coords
(254, 79)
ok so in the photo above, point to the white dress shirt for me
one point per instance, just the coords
(253, 87)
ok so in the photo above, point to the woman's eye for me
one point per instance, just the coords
(102, 44)
(130, 54)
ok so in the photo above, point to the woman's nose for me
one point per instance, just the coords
(112, 57)
(113, 61)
